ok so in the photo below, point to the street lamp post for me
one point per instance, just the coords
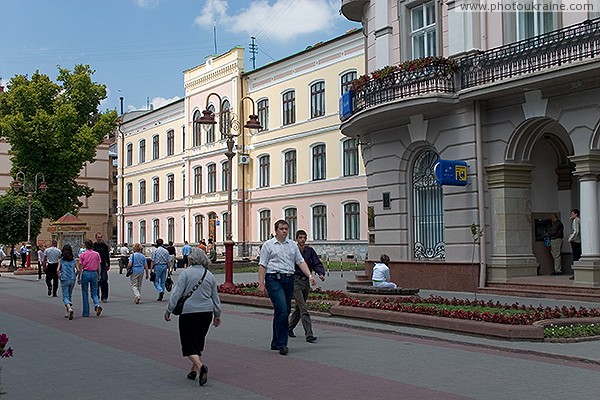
(229, 120)
(30, 188)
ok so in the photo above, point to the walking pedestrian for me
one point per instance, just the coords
(278, 258)
(67, 270)
(13, 257)
(40, 260)
(124, 259)
(172, 252)
(302, 288)
(102, 248)
(198, 311)
(23, 253)
(185, 251)
(160, 259)
(51, 256)
(137, 261)
(88, 277)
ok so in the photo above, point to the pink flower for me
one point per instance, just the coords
(7, 353)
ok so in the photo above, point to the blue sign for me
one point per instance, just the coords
(346, 105)
(451, 172)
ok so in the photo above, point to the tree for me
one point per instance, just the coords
(14, 222)
(55, 128)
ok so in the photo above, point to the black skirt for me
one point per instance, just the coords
(193, 328)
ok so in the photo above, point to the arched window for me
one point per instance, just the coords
(198, 228)
(265, 225)
(170, 229)
(198, 180)
(291, 217)
(290, 166)
(427, 209)
(129, 194)
(170, 187)
(210, 133)
(352, 221)
(142, 193)
(129, 155)
(129, 232)
(225, 119)
(197, 129)
(142, 232)
(317, 99)
(155, 147)
(142, 151)
(319, 162)
(350, 157)
(319, 218)
(264, 171)
(170, 142)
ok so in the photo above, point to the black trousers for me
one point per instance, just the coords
(103, 284)
(52, 278)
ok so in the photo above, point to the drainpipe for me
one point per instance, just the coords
(480, 199)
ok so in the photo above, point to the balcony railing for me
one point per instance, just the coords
(403, 84)
(564, 46)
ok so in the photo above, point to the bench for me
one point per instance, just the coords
(364, 289)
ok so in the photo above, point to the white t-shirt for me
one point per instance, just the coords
(52, 255)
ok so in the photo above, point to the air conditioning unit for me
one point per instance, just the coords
(243, 159)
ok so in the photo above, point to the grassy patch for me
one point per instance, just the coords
(571, 331)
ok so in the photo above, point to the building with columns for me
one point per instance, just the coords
(514, 95)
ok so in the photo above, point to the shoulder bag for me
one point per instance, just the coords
(181, 301)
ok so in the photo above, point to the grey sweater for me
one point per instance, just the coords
(204, 299)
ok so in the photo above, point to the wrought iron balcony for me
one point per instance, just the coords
(560, 47)
(435, 77)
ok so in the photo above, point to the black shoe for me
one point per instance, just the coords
(283, 350)
(49, 292)
(98, 311)
(311, 339)
(160, 296)
(104, 300)
(291, 333)
(203, 375)
(556, 273)
(192, 375)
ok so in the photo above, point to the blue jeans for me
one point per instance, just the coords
(280, 292)
(161, 277)
(67, 291)
(89, 278)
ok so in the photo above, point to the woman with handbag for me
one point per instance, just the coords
(135, 271)
(197, 285)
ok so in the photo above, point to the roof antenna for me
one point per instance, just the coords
(253, 48)
(215, 34)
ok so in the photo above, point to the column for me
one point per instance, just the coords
(511, 252)
(587, 169)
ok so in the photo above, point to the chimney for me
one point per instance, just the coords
(121, 99)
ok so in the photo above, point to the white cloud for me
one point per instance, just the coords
(156, 102)
(280, 21)
(146, 3)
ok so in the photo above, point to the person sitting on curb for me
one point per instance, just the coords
(381, 273)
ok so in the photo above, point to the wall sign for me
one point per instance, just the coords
(451, 172)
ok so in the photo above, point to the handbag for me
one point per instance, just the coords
(152, 276)
(129, 271)
(181, 301)
(169, 284)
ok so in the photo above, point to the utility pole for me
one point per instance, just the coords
(253, 50)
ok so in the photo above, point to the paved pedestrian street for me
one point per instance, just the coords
(130, 352)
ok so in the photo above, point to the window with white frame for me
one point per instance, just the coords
(264, 167)
(142, 151)
(265, 225)
(212, 178)
(170, 187)
(423, 30)
(170, 229)
(129, 236)
(210, 132)
(155, 230)
(129, 154)
(170, 142)
(534, 23)
(350, 157)
(142, 192)
(288, 102)
(319, 162)
(155, 189)
(225, 119)
(197, 129)
(263, 114)
(198, 219)
(317, 99)
(319, 219)
(155, 147)
(291, 217)
(290, 166)
(198, 180)
(352, 221)
(142, 231)
(129, 191)
(346, 81)
(225, 175)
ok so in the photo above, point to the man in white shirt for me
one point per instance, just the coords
(124, 260)
(51, 256)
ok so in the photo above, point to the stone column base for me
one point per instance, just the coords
(502, 268)
(587, 271)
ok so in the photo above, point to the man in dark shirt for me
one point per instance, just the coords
(556, 234)
(172, 252)
(302, 288)
(102, 249)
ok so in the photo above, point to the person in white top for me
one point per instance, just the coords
(124, 260)
(51, 257)
(381, 273)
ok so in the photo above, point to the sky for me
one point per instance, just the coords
(140, 48)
